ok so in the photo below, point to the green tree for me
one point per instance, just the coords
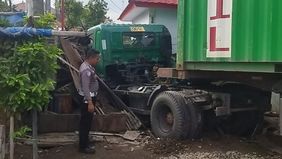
(93, 13)
(4, 6)
(27, 77)
(73, 12)
(4, 22)
(27, 72)
(47, 21)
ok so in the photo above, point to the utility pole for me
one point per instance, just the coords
(29, 7)
(63, 14)
(38, 7)
(11, 5)
(48, 6)
(35, 7)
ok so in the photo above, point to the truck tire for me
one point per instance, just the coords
(171, 117)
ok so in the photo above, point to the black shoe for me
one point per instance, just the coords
(91, 146)
(87, 150)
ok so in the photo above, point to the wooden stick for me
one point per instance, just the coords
(34, 134)
(12, 146)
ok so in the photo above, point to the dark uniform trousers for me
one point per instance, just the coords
(85, 123)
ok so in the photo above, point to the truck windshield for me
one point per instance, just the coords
(139, 40)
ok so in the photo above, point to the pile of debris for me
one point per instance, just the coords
(73, 59)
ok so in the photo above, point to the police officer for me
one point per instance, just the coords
(88, 92)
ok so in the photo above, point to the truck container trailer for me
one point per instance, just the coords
(231, 49)
(228, 63)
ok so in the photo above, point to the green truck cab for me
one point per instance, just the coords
(130, 53)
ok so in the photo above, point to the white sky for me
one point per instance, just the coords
(115, 7)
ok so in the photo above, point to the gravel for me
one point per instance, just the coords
(165, 146)
(220, 155)
(212, 147)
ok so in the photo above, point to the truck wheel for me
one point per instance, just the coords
(172, 118)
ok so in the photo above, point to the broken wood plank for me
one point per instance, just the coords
(61, 139)
(131, 135)
(54, 139)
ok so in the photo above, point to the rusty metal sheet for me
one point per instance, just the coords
(167, 72)
(52, 122)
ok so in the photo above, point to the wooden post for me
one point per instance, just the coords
(2, 142)
(12, 145)
(34, 134)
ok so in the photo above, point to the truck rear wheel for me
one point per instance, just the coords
(171, 117)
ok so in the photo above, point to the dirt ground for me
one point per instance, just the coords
(207, 147)
(103, 151)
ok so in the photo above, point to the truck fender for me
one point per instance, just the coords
(153, 95)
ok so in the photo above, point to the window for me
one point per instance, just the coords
(139, 40)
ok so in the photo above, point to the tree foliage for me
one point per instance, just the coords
(27, 72)
(47, 20)
(95, 14)
(27, 76)
(73, 11)
(4, 22)
(4, 6)
(91, 14)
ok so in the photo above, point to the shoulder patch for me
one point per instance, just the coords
(88, 73)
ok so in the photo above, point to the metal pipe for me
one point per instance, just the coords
(69, 33)
(12, 146)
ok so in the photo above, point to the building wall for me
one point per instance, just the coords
(164, 16)
(167, 17)
(143, 18)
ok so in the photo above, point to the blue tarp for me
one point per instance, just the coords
(21, 32)
(14, 18)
